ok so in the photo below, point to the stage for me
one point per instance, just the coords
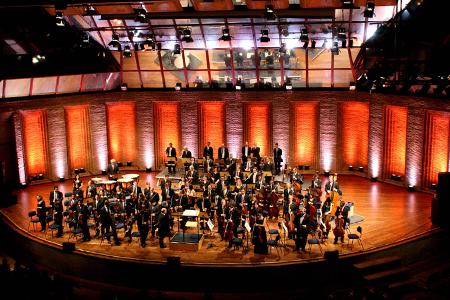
(391, 215)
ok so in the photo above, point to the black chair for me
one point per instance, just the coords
(34, 221)
(354, 236)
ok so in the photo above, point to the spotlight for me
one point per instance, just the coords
(127, 51)
(148, 170)
(41, 176)
(149, 41)
(347, 4)
(59, 19)
(82, 170)
(392, 177)
(398, 178)
(335, 49)
(140, 15)
(103, 172)
(283, 48)
(176, 49)
(373, 179)
(369, 12)
(306, 167)
(411, 188)
(361, 169)
(23, 185)
(119, 164)
(238, 85)
(225, 35)
(300, 167)
(341, 34)
(327, 173)
(124, 87)
(129, 163)
(187, 36)
(264, 36)
(269, 14)
(90, 11)
(61, 179)
(85, 41)
(350, 168)
(76, 171)
(433, 186)
(288, 84)
(313, 44)
(115, 41)
(304, 35)
(178, 86)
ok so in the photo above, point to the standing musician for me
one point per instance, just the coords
(268, 167)
(77, 191)
(143, 219)
(208, 165)
(223, 152)
(332, 184)
(296, 177)
(192, 175)
(55, 194)
(288, 191)
(41, 213)
(253, 178)
(163, 226)
(171, 152)
(204, 205)
(238, 175)
(301, 224)
(192, 163)
(125, 211)
(260, 184)
(316, 185)
(186, 153)
(135, 192)
(223, 213)
(326, 216)
(147, 190)
(210, 196)
(225, 193)
(154, 212)
(248, 165)
(255, 152)
(107, 218)
(91, 189)
(204, 183)
(259, 238)
(246, 151)
(77, 180)
(342, 213)
(163, 182)
(58, 214)
(113, 169)
(97, 205)
(221, 183)
(236, 220)
(83, 217)
(208, 150)
(153, 196)
(230, 164)
(271, 187)
(167, 194)
(289, 206)
(277, 153)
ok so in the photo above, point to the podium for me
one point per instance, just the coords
(188, 241)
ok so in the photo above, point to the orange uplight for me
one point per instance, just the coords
(304, 130)
(78, 136)
(35, 140)
(257, 126)
(395, 124)
(122, 130)
(166, 116)
(211, 125)
(354, 133)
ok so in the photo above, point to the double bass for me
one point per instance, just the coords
(334, 197)
(273, 206)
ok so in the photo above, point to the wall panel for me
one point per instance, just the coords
(78, 137)
(258, 126)
(211, 125)
(394, 146)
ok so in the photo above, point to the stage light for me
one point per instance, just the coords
(140, 15)
(350, 168)
(300, 167)
(127, 51)
(306, 168)
(148, 170)
(288, 84)
(283, 48)
(178, 86)
(238, 85)
(115, 41)
(313, 44)
(341, 34)
(392, 177)
(82, 170)
(327, 173)
(76, 171)
(103, 172)
(398, 178)
(264, 36)
(225, 35)
(373, 179)
(41, 176)
(433, 186)
(304, 35)
(347, 4)
(85, 41)
(176, 49)
(411, 188)
(59, 19)
(149, 40)
(61, 179)
(23, 185)
(129, 163)
(369, 11)
(335, 49)
(124, 87)
(187, 36)
(119, 163)
(269, 14)
(90, 11)
(361, 169)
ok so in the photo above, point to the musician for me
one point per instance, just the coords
(97, 205)
(242, 198)
(238, 175)
(58, 215)
(326, 215)
(118, 192)
(223, 152)
(77, 180)
(236, 219)
(225, 193)
(55, 194)
(106, 215)
(77, 191)
(186, 153)
(41, 213)
(253, 178)
(192, 195)
(113, 169)
(204, 183)
(164, 181)
(221, 183)
(342, 212)
(143, 218)
(332, 184)
(271, 187)
(154, 211)
(259, 238)
(205, 206)
(301, 224)
(288, 191)
(163, 225)
(296, 177)
(223, 212)
(153, 196)
(146, 190)
(316, 184)
(135, 191)
(239, 185)
(215, 176)
(246, 151)
(167, 194)
(192, 163)
(290, 205)
(83, 216)
(230, 162)
(209, 194)
(171, 152)
(208, 164)
(255, 151)
(91, 189)
(260, 184)
(192, 175)
(248, 165)
(268, 167)
(208, 150)
(124, 211)
(277, 153)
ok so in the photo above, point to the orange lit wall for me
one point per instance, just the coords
(258, 126)
(121, 124)
(78, 136)
(35, 140)
(304, 127)
(395, 123)
(435, 146)
(354, 134)
(211, 125)
(167, 121)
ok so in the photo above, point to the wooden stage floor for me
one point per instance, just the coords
(391, 214)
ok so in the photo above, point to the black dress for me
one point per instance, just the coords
(260, 240)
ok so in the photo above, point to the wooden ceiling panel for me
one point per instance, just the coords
(163, 6)
(69, 11)
(320, 3)
(277, 4)
(114, 9)
(217, 5)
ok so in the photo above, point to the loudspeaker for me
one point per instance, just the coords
(68, 246)
(441, 205)
(331, 255)
(173, 261)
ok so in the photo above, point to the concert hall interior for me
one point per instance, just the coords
(216, 149)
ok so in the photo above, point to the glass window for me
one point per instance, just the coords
(244, 59)
(44, 85)
(319, 79)
(112, 81)
(298, 78)
(152, 79)
(69, 84)
(129, 63)
(171, 61)
(131, 79)
(270, 79)
(174, 77)
(221, 79)
(93, 82)
(355, 52)
(198, 79)
(219, 59)
(295, 59)
(148, 60)
(319, 58)
(342, 61)
(269, 58)
(195, 59)
(342, 78)
(242, 36)
(248, 78)
(17, 87)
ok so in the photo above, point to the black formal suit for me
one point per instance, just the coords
(146, 192)
(210, 195)
(297, 177)
(220, 185)
(171, 152)
(256, 154)
(207, 163)
(143, 218)
(84, 215)
(253, 178)
(58, 213)
(242, 199)
(164, 228)
(112, 170)
(194, 175)
(78, 193)
(288, 192)
(293, 205)
(268, 167)
(222, 210)
(153, 197)
(230, 162)
(223, 153)
(135, 191)
(316, 183)
(92, 189)
(301, 223)
(108, 222)
(277, 152)
(244, 156)
(168, 195)
(42, 215)
(328, 187)
(194, 164)
(163, 183)
(55, 195)
(240, 175)
(208, 151)
(248, 165)
(260, 185)
(225, 194)
(186, 154)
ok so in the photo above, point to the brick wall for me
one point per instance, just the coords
(328, 152)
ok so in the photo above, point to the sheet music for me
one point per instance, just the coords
(210, 224)
(284, 227)
(247, 226)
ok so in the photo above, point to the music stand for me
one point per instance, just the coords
(211, 227)
(251, 186)
(247, 227)
(239, 160)
(267, 174)
(224, 174)
(206, 174)
(284, 234)
(203, 215)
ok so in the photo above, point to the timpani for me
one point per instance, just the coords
(135, 177)
(108, 184)
(125, 182)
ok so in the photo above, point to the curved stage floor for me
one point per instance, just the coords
(391, 214)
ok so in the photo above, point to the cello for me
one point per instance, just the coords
(273, 207)
(334, 196)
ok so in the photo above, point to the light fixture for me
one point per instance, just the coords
(82, 170)
(398, 178)
(129, 163)
(373, 179)
(269, 14)
(115, 41)
(140, 15)
(361, 169)
(41, 176)
(150, 40)
(178, 86)
(103, 172)
(59, 19)
(350, 168)
(433, 186)
(85, 41)
(392, 177)
(61, 179)
(370, 8)
(285, 30)
(127, 51)
(76, 171)
(90, 11)
(341, 34)
(306, 167)
(225, 35)
(288, 84)
(187, 36)
(327, 173)
(304, 35)
(264, 36)
(313, 44)
(148, 170)
(176, 49)
(124, 87)
(119, 163)
(283, 48)
(347, 4)
(411, 188)
(335, 49)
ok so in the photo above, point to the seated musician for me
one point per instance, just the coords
(118, 192)
(204, 205)
(171, 152)
(242, 198)
(237, 175)
(221, 183)
(268, 167)
(97, 205)
(230, 164)
(91, 190)
(260, 185)
(192, 195)
(208, 165)
(248, 165)
(342, 212)
(239, 186)
(296, 177)
(192, 163)
(192, 175)
(225, 193)
(106, 216)
(204, 183)
(288, 191)
(215, 176)
(271, 187)
(301, 224)
(113, 169)
(223, 213)
(167, 194)
(253, 178)
(210, 195)
(235, 217)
